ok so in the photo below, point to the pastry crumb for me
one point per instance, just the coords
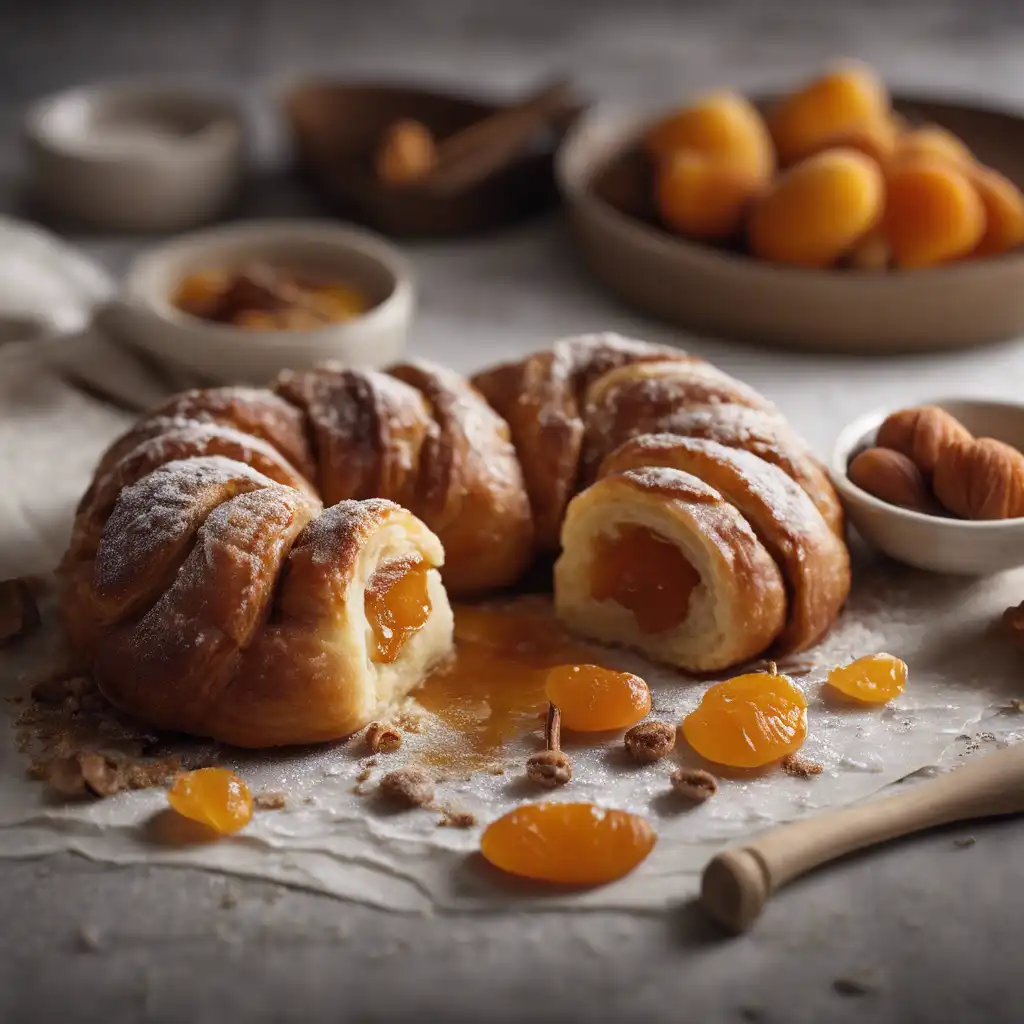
(1016, 705)
(101, 775)
(270, 801)
(411, 719)
(455, 818)
(364, 774)
(694, 784)
(409, 787)
(650, 741)
(382, 738)
(800, 768)
(963, 841)
(496, 770)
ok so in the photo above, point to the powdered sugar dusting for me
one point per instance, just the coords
(161, 512)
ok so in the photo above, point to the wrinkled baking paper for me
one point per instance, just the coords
(963, 678)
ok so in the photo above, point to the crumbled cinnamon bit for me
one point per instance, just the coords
(382, 738)
(18, 612)
(454, 818)
(799, 767)
(410, 720)
(100, 775)
(270, 801)
(694, 784)
(411, 787)
(650, 741)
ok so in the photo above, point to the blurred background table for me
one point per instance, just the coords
(927, 930)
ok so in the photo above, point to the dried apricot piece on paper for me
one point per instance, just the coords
(748, 721)
(568, 843)
(215, 797)
(595, 699)
(873, 679)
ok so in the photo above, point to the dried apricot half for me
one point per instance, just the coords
(594, 699)
(873, 679)
(748, 721)
(568, 843)
(215, 797)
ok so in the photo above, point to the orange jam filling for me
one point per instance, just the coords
(646, 574)
(492, 690)
(873, 679)
(215, 797)
(397, 605)
(748, 721)
(568, 844)
(593, 699)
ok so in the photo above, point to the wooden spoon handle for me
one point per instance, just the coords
(739, 881)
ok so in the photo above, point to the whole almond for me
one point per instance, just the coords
(921, 434)
(892, 477)
(981, 479)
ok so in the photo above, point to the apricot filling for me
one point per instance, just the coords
(646, 574)
(397, 605)
(215, 797)
(568, 844)
(748, 721)
(594, 699)
(492, 689)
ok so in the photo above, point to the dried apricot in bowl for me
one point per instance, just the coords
(748, 721)
(595, 699)
(848, 97)
(722, 126)
(702, 197)
(817, 210)
(215, 797)
(576, 844)
(933, 212)
(873, 679)
(1004, 212)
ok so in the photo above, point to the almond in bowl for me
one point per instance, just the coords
(939, 486)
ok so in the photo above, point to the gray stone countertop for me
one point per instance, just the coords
(924, 930)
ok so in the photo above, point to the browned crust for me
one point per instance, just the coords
(768, 436)
(541, 397)
(168, 665)
(815, 563)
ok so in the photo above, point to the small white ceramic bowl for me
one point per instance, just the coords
(936, 543)
(135, 157)
(144, 315)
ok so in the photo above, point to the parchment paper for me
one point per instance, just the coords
(964, 675)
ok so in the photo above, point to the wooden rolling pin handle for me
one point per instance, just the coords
(740, 880)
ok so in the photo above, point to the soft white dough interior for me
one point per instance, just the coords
(702, 629)
(424, 648)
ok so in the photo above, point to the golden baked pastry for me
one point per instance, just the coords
(814, 562)
(657, 559)
(569, 406)
(210, 599)
(486, 470)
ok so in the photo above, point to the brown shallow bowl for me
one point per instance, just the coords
(730, 294)
(337, 127)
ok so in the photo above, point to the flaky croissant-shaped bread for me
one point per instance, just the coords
(486, 469)
(749, 557)
(218, 602)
